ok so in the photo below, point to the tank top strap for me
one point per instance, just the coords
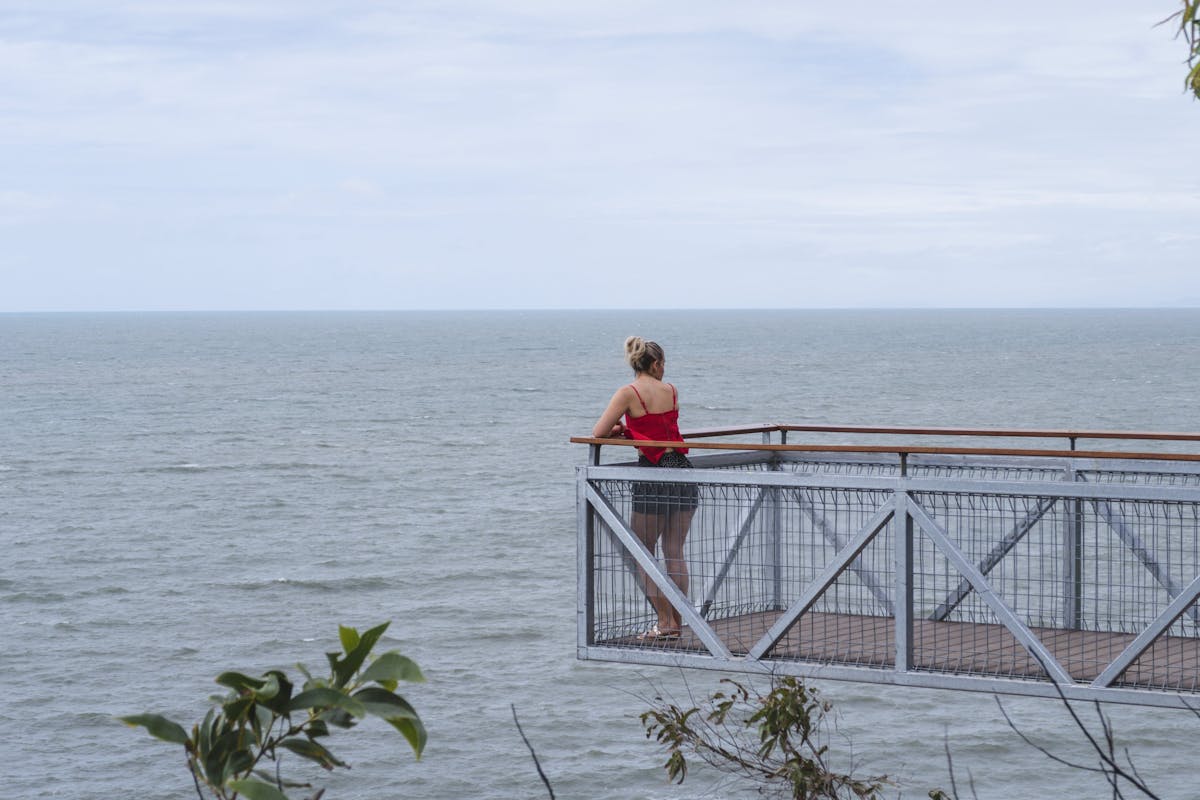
(639, 397)
(674, 396)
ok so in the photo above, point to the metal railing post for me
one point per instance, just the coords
(585, 552)
(902, 604)
(776, 522)
(1072, 557)
(777, 535)
(777, 547)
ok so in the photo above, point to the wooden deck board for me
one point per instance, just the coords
(1172, 663)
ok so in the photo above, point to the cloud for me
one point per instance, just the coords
(555, 142)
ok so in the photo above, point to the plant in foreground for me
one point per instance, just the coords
(1187, 23)
(247, 730)
(777, 739)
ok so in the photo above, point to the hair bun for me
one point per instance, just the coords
(641, 354)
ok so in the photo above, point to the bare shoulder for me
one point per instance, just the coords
(623, 396)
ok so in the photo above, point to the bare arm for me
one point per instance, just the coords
(609, 425)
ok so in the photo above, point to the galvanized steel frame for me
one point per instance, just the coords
(907, 515)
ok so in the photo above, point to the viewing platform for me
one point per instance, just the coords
(952, 565)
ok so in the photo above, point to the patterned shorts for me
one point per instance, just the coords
(663, 498)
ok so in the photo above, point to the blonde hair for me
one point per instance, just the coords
(641, 354)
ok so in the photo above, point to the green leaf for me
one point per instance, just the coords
(349, 637)
(270, 687)
(385, 704)
(269, 777)
(344, 669)
(397, 712)
(159, 727)
(339, 718)
(414, 732)
(239, 706)
(239, 762)
(262, 722)
(279, 699)
(216, 762)
(392, 666)
(204, 740)
(327, 698)
(313, 752)
(239, 682)
(256, 790)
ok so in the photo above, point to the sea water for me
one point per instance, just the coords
(186, 493)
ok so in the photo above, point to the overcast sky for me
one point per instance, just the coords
(263, 154)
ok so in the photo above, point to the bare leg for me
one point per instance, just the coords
(673, 539)
(648, 528)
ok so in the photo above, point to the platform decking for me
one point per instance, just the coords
(951, 647)
(1025, 571)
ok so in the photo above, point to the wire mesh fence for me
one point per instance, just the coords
(801, 567)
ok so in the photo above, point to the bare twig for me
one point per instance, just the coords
(1012, 725)
(195, 778)
(536, 763)
(950, 765)
(1109, 767)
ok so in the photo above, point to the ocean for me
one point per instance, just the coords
(185, 493)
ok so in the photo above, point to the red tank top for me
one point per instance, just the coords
(661, 427)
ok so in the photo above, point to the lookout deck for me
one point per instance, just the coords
(1004, 570)
(871, 642)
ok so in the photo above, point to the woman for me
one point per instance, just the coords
(661, 511)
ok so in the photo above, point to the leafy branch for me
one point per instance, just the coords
(262, 717)
(776, 739)
(1188, 26)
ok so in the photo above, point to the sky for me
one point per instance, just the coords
(272, 154)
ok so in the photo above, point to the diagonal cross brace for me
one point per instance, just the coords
(742, 529)
(1148, 637)
(824, 580)
(868, 580)
(997, 553)
(1003, 612)
(649, 564)
(1149, 560)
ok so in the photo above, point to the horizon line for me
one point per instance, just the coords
(613, 309)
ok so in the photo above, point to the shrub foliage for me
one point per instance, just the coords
(236, 749)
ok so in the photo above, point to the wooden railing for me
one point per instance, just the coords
(1071, 435)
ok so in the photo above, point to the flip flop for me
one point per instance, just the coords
(655, 633)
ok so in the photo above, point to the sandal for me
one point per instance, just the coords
(656, 633)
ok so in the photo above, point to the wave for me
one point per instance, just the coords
(326, 585)
(34, 597)
(104, 590)
(193, 468)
